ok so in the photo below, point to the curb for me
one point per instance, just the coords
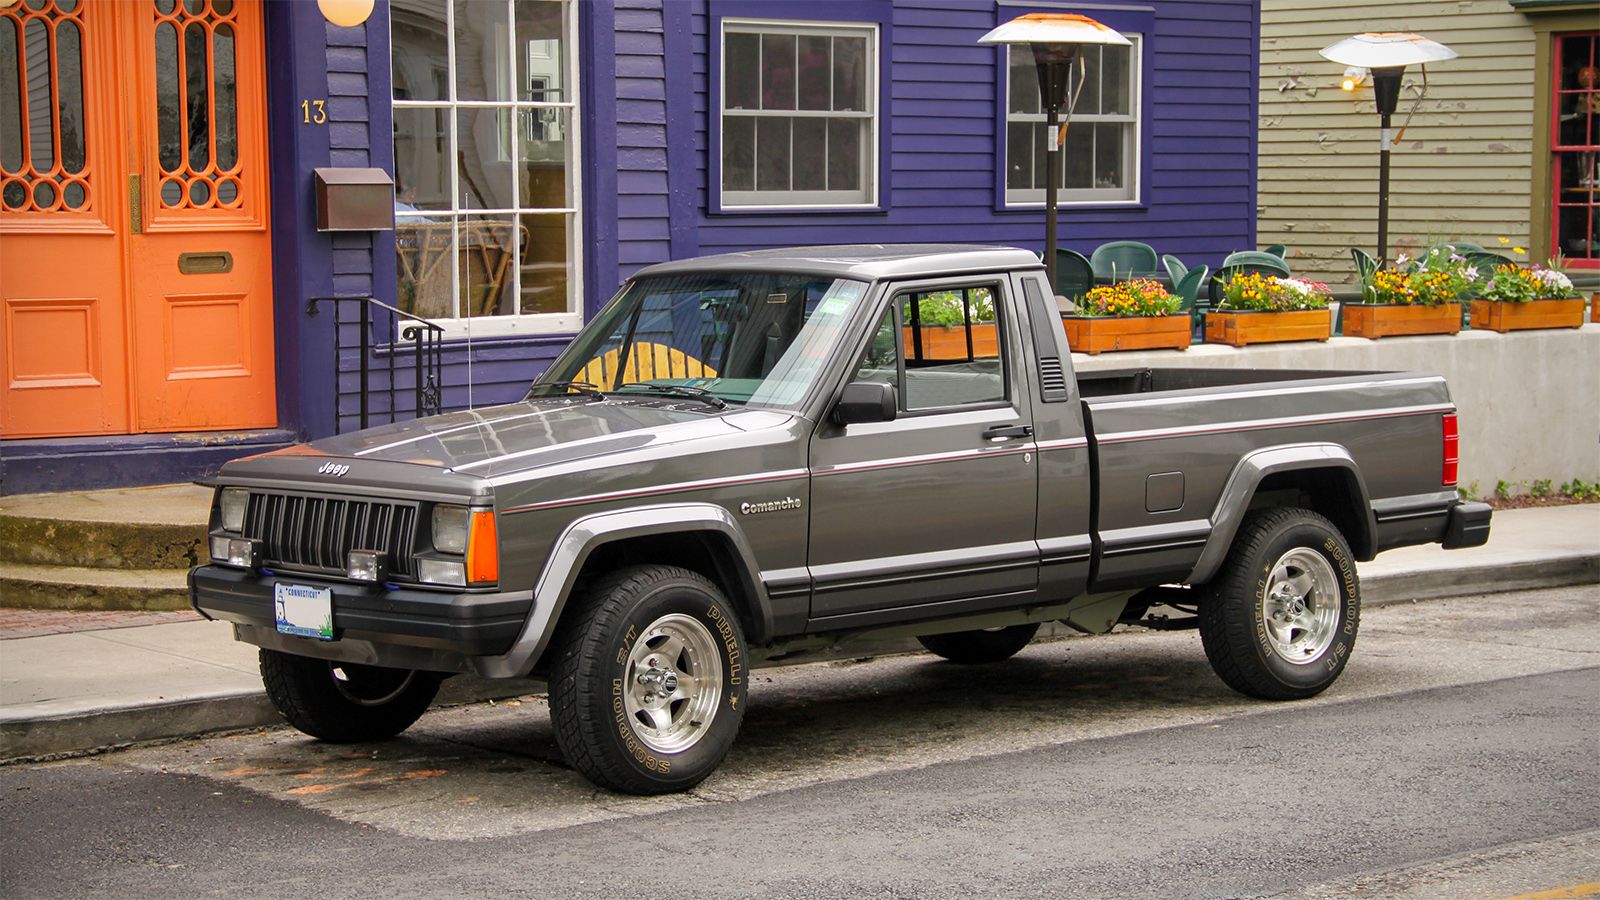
(26, 740)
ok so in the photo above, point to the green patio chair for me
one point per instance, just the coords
(1124, 259)
(1278, 250)
(1461, 247)
(1259, 261)
(1186, 284)
(1074, 274)
(1486, 261)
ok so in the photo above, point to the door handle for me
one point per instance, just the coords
(1001, 432)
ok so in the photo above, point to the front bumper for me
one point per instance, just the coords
(464, 624)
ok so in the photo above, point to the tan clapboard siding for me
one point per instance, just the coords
(1463, 169)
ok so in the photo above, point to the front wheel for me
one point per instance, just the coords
(1280, 619)
(647, 680)
(976, 647)
(345, 702)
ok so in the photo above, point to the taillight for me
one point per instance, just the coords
(1451, 451)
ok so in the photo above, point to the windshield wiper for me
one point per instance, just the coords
(591, 391)
(678, 390)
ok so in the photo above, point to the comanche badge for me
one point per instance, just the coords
(767, 506)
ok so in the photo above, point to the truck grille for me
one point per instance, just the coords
(307, 532)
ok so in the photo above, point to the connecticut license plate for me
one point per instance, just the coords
(304, 611)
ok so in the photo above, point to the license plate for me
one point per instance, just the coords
(304, 611)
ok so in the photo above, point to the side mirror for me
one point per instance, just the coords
(865, 401)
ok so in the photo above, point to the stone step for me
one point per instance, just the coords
(80, 587)
(161, 527)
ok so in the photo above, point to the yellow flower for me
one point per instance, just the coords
(1518, 250)
(1504, 240)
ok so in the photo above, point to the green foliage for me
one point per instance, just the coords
(1502, 490)
(1470, 492)
(1541, 488)
(1260, 292)
(1585, 491)
(943, 308)
(1141, 297)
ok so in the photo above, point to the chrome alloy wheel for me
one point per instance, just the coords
(1301, 607)
(369, 685)
(673, 683)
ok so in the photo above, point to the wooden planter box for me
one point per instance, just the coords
(1382, 320)
(1594, 308)
(950, 341)
(1097, 334)
(1241, 328)
(1504, 317)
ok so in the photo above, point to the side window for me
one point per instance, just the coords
(948, 349)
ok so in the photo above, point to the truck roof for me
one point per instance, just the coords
(866, 262)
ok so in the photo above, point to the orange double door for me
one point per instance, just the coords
(135, 265)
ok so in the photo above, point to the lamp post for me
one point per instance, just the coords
(1385, 54)
(1054, 39)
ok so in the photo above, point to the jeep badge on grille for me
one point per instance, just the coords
(333, 468)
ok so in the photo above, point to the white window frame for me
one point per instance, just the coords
(870, 169)
(516, 323)
(1028, 198)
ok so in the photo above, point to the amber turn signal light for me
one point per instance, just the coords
(483, 548)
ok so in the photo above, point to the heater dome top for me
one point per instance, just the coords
(1054, 28)
(1386, 49)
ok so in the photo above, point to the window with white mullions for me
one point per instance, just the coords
(799, 114)
(486, 173)
(1100, 162)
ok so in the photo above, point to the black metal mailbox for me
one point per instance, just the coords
(354, 200)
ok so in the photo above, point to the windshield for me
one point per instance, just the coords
(755, 338)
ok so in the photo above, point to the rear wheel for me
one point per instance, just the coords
(647, 682)
(985, 646)
(346, 702)
(1280, 620)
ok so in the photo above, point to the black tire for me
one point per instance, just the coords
(975, 647)
(607, 658)
(1272, 645)
(344, 702)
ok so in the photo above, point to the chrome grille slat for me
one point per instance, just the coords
(308, 532)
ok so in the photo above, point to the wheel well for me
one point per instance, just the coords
(707, 553)
(1332, 492)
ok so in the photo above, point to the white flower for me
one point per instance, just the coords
(1402, 259)
(1470, 273)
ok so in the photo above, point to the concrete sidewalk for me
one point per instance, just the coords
(66, 693)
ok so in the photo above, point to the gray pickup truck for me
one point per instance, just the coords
(757, 455)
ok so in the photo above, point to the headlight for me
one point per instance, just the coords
(450, 529)
(232, 504)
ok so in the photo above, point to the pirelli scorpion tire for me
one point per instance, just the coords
(1280, 619)
(344, 702)
(985, 646)
(647, 680)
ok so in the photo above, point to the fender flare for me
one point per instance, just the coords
(1248, 475)
(584, 535)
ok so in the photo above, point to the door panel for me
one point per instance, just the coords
(62, 326)
(927, 508)
(202, 284)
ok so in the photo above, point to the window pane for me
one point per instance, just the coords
(542, 250)
(421, 159)
(539, 51)
(1019, 162)
(772, 154)
(227, 103)
(488, 257)
(1024, 81)
(198, 81)
(1115, 82)
(1042, 139)
(738, 153)
(1108, 167)
(815, 73)
(10, 98)
(483, 148)
(69, 75)
(169, 149)
(777, 71)
(850, 74)
(1089, 100)
(421, 54)
(424, 259)
(482, 72)
(1079, 160)
(952, 349)
(742, 71)
(543, 177)
(810, 154)
(41, 105)
(844, 154)
(881, 361)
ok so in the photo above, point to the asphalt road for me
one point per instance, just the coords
(1456, 757)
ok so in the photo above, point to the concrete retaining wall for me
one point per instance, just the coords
(1530, 401)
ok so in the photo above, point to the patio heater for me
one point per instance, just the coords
(1054, 39)
(1386, 54)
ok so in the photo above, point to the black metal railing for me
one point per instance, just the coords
(396, 360)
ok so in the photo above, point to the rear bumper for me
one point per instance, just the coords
(465, 624)
(1467, 526)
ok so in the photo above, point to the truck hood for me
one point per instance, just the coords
(500, 440)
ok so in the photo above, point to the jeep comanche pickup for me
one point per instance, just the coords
(755, 455)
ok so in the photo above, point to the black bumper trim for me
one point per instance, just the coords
(469, 624)
(1468, 526)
